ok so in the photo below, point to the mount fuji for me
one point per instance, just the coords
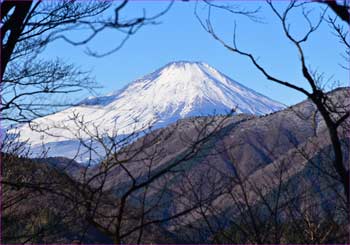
(178, 90)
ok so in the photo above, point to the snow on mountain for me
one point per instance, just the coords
(177, 90)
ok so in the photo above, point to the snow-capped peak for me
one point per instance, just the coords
(192, 88)
(177, 90)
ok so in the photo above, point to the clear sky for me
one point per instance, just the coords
(179, 36)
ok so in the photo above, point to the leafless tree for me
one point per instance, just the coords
(123, 197)
(332, 116)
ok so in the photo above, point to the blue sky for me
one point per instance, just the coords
(179, 36)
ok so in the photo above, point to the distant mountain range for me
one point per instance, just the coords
(177, 90)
